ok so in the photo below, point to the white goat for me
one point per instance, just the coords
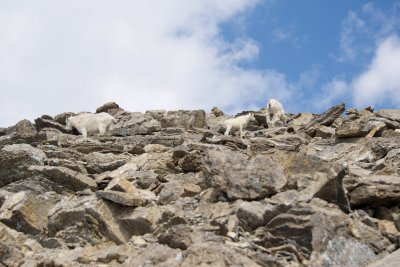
(275, 113)
(89, 123)
(238, 123)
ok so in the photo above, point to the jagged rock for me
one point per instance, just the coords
(357, 129)
(15, 161)
(46, 123)
(217, 112)
(215, 254)
(101, 162)
(242, 178)
(255, 214)
(170, 192)
(62, 118)
(370, 236)
(136, 123)
(177, 236)
(375, 190)
(390, 260)
(324, 132)
(325, 180)
(326, 119)
(121, 185)
(134, 198)
(267, 145)
(391, 114)
(107, 106)
(184, 118)
(27, 212)
(87, 220)
(142, 220)
(301, 119)
(2, 131)
(63, 176)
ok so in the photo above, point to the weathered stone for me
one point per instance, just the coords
(326, 119)
(142, 220)
(27, 212)
(324, 132)
(301, 119)
(390, 260)
(107, 106)
(217, 112)
(137, 198)
(15, 160)
(121, 185)
(255, 214)
(170, 192)
(62, 118)
(215, 254)
(391, 114)
(356, 129)
(66, 177)
(369, 236)
(268, 145)
(375, 190)
(184, 118)
(242, 178)
(191, 190)
(87, 220)
(177, 236)
(46, 123)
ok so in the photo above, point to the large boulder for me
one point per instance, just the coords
(243, 178)
(184, 118)
(15, 161)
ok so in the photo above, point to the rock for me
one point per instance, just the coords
(24, 132)
(324, 132)
(217, 112)
(391, 114)
(155, 148)
(325, 180)
(357, 129)
(136, 123)
(87, 220)
(121, 185)
(326, 119)
(342, 251)
(137, 198)
(301, 119)
(107, 106)
(215, 254)
(62, 118)
(70, 179)
(268, 145)
(15, 160)
(390, 260)
(46, 123)
(191, 190)
(177, 236)
(255, 214)
(242, 178)
(375, 190)
(27, 212)
(170, 192)
(142, 220)
(369, 236)
(184, 118)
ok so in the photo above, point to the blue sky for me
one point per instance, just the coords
(58, 56)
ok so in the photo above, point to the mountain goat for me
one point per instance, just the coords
(275, 113)
(89, 123)
(238, 123)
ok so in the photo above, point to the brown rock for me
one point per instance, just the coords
(137, 198)
(107, 106)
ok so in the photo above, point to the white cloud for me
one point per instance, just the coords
(350, 26)
(58, 56)
(380, 83)
(362, 30)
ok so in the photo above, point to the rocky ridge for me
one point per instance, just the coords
(167, 188)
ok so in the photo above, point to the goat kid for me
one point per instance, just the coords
(238, 123)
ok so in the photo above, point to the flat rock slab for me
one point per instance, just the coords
(376, 190)
(133, 199)
(391, 114)
(66, 177)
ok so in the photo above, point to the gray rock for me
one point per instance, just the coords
(68, 178)
(390, 260)
(137, 198)
(107, 106)
(391, 114)
(27, 212)
(184, 118)
(324, 132)
(15, 160)
(326, 119)
(375, 190)
(255, 214)
(242, 178)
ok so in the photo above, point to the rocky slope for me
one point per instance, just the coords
(168, 189)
